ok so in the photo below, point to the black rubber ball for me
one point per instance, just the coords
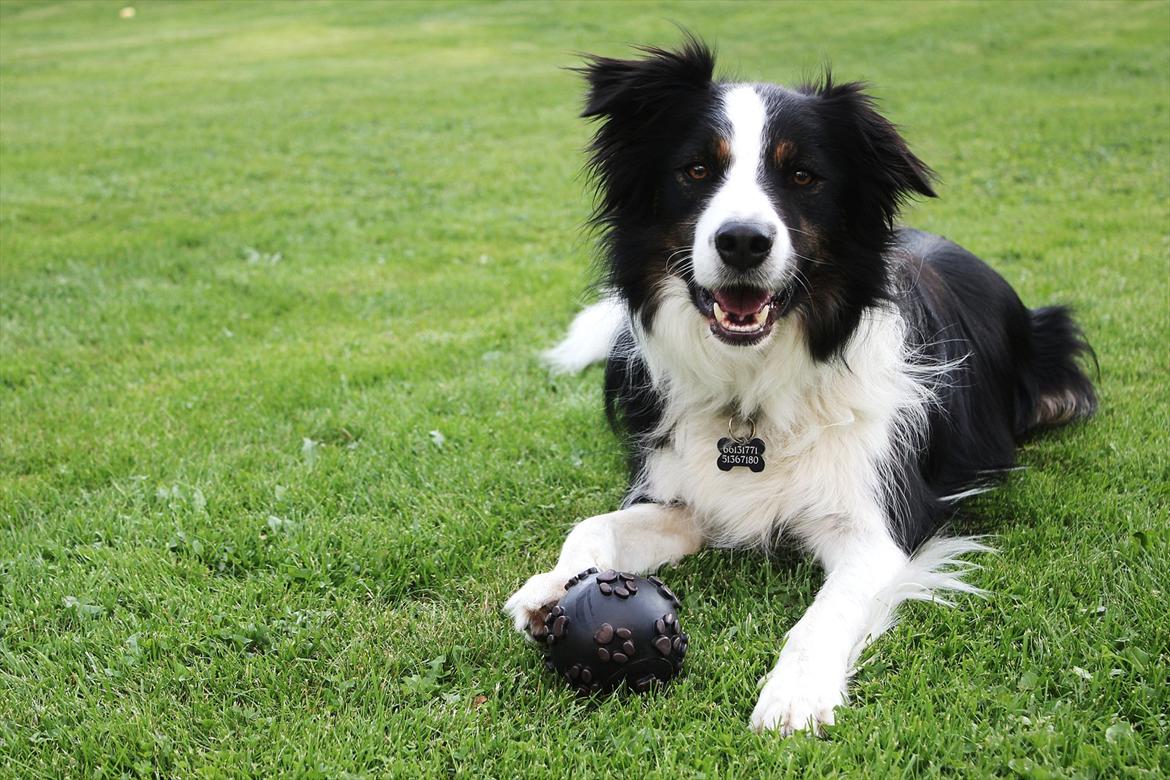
(612, 628)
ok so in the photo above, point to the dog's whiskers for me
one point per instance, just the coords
(683, 264)
(812, 260)
(803, 281)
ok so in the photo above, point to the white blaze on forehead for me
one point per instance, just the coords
(745, 114)
(741, 197)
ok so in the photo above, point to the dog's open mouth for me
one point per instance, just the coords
(742, 315)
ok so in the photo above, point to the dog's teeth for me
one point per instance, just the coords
(724, 318)
(754, 322)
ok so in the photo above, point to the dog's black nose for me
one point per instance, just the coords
(743, 245)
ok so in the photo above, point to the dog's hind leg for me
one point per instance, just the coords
(638, 539)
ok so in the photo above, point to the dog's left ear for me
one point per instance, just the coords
(882, 162)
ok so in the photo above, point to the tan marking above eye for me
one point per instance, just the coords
(723, 151)
(785, 151)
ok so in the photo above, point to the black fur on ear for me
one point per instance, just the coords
(885, 172)
(638, 103)
(638, 88)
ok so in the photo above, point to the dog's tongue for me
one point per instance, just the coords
(741, 301)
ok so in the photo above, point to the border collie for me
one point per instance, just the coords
(788, 365)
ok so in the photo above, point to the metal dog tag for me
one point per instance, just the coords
(748, 453)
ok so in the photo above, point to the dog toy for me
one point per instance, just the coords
(612, 627)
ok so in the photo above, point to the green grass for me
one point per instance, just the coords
(252, 255)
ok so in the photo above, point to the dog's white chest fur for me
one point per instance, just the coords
(828, 430)
(809, 475)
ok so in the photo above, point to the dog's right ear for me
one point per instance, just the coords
(644, 88)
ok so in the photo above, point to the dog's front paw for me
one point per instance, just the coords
(529, 605)
(798, 696)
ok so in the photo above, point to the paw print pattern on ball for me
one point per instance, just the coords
(578, 577)
(617, 584)
(670, 640)
(614, 644)
(664, 591)
(613, 627)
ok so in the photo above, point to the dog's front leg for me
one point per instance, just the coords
(638, 539)
(810, 678)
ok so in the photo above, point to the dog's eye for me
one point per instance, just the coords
(802, 178)
(697, 171)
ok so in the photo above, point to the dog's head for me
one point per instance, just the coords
(755, 201)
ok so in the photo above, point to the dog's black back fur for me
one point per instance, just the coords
(1015, 370)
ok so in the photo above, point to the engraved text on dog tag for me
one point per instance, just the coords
(749, 453)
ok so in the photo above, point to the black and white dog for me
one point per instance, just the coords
(786, 363)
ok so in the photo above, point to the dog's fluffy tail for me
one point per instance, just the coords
(1055, 387)
(591, 336)
(935, 571)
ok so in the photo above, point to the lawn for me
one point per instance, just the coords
(275, 444)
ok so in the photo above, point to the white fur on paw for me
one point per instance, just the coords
(526, 605)
(798, 697)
